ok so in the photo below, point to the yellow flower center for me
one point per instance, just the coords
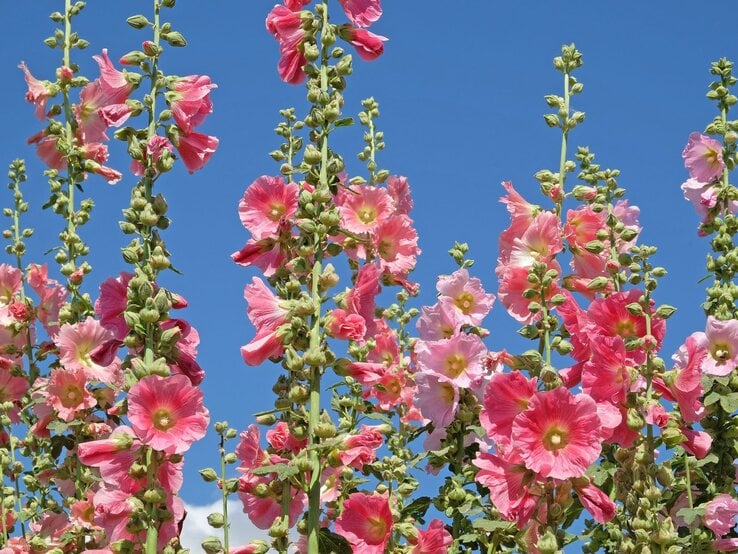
(366, 214)
(625, 328)
(465, 302)
(721, 352)
(377, 528)
(455, 365)
(447, 393)
(163, 419)
(276, 211)
(555, 438)
(386, 249)
(71, 396)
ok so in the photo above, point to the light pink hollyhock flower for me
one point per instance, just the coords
(559, 434)
(466, 295)
(684, 384)
(368, 45)
(167, 413)
(76, 344)
(703, 158)
(440, 321)
(720, 339)
(366, 522)
(196, 149)
(345, 326)
(518, 207)
(265, 203)
(111, 304)
(698, 443)
(12, 388)
(363, 208)
(153, 152)
(249, 450)
(268, 254)
(47, 151)
(10, 282)
(720, 514)
(38, 91)
(434, 540)
(67, 393)
(399, 189)
(508, 482)
(189, 100)
(267, 316)
(729, 544)
(605, 377)
(459, 359)
(539, 242)
(111, 80)
(362, 12)
(396, 242)
(507, 395)
(51, 296)
(437, 398)
(597, 503)
(360, 450)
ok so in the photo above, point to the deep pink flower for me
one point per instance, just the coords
(345, 326)
(597, 503)
(361, 298)
(265, 203)
(111, 304)
(155, 147)
(435, 540)
(559, 434)
(513, 282)
(267, 254)
(190, 102)
(196, 149)
(366, 522)
(605, 377)
(285, 24)
(12, 387)
(38, 92)
(281, 439)
(368, 45)
(698, 443)
(684, 385)
(703, 158)
(113, 456)
(267, 316)
(508, 481)
(360, 450)
(46, 149)
(68, 394)
(362, 12)
(507, 395)
(466, 295)
(720, 514)
(396, 243)
(167, 413)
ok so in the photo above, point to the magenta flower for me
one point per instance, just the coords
(466, 295)
(190, 102)
(559, 434)
(267, 316)
(196, 149)
(362, 12)
(67, 393)
(285, 24)
(703, 158)
(366, 522)
(368, 45)
(265, 203)
(605, 377)
(720, 514)
(38, 92)
(360, 450)
(597, 503)
(167, 413)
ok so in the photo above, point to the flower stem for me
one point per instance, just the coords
(224, 490)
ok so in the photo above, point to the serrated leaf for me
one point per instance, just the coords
(330, 543)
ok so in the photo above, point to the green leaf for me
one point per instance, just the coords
(690, 514)
(711, 398)
(284, 471)
(729, 402)
(489, 525)
(330, 543)
(345, 122)
(417, 508)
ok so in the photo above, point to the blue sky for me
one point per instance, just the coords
(460, 87)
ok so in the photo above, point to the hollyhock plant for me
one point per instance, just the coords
(434, 540)
(396, 242)
(703, 158)
(363, 208)
(38, 93)
(720, 339)
(366, 522)
(167, 413)
(558, 434)
(720, 514)
(285, 23)
(506, 396)
(78, 341)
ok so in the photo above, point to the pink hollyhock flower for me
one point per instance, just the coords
(11, 279)
(440, 321)
(703, 158)
(196, 149)
(396, 242)
(265, 203)
(362, 12)
(366, 522)
(684, 385)
(114, 457)
(12, 388)
(267, 316)
(466, 295)
(459, 359)
(363, 208)
(513, 282)
(518, 207)
(559, 434)
(286, 26)
(720, 339)
(605, 377)
(345, 326)
(657, 415)
(508, 481)
(111, 175)
(435, 540)
(729, 544)
(76, 344)
(167, 413)
(597, 503)
(111, 304)
(399, 190)
(38, 93)
(189, 100)
(507, 395)
(360, 450)
(698, 443)
(437, 398)
(539, 241)
(67, 392)
(266, 254)
(155, 148)
(183, 358)
(720, 514)
(113, 511)
(361, 298)
(296, 4)
(281, 439)
(368, 45)
(47, 151)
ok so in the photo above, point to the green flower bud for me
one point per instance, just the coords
(212, 545)
(208, 474)
(216, 520)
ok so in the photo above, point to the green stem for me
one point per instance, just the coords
(17, 485)
(564, 138)
(691, 502)
(224, 490)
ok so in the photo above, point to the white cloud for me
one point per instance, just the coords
(196, 527)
